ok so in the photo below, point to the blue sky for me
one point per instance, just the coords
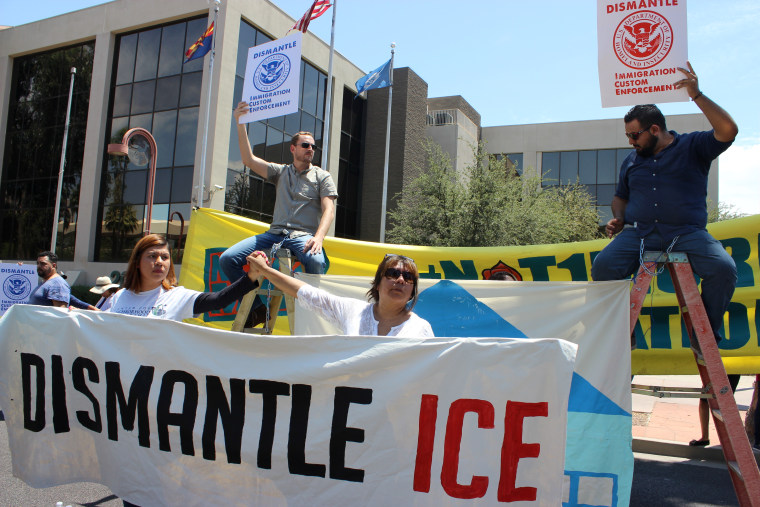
(521, 62)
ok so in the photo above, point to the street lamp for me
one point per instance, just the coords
(140, 146)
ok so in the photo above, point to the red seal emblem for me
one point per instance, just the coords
(643, 39)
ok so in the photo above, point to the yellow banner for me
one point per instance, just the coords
(663, 341)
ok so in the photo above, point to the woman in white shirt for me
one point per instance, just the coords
(150, 291)
(392, 296)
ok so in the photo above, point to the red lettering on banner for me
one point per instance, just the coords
(513, 449)
(479, 484)
(425, 441)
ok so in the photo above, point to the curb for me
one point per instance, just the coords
(676, 449)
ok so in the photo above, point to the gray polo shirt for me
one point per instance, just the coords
(298, 208)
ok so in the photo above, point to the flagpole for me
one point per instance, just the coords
(328, 102)
(202, 176)
(387, 149)
(54, 237)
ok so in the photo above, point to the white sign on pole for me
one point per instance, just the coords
(272, 77)
(17, 282)
(641, 45)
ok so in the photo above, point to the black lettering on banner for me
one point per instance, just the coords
(269, 390)
(185, 419)
(136, 406)
(94, 423)
(29, 361)
(340, 433)
(232, 414)
(299, 422)
(58, 386)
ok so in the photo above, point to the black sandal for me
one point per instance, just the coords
(700, 443)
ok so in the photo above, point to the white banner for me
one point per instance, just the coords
(17, 282)
(641, 45)
(598, 460)
(272, 78)
(166, 413)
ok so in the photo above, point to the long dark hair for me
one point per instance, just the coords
(373, 294)
(133, 280)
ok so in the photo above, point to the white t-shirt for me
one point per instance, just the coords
(356, 317)
(159, 303)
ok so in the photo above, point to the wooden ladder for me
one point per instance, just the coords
(273, 297)
(737, 451)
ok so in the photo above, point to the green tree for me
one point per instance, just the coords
(723, 211)
(488, 205)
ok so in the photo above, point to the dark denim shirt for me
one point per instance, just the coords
(667, 192)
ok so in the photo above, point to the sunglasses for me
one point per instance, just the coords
(394, 273)
(306, 145)
(634, 136)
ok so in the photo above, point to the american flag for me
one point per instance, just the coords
(318, 8)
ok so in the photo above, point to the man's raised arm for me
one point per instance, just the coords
(258, 165)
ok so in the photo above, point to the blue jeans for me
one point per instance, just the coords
(708, 258)
(233, 259)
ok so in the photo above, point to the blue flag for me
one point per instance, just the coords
(378, 78)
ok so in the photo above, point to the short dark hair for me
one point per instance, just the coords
(373, 294)
(504, 276)
(647, 114)
(294, 139)
(52, 257)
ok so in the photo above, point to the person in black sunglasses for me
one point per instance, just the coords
(304, 208)
(660, 201)
(392, 296)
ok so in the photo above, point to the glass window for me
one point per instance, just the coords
(142, 97)
(549, 168)
(172, 52)
(182, 184)
(191, 90)
(187, 130)
(167, 93)
(126, 67)
(36, 114)
(160, 85)
(122, 98)
(604, 194)
(164, 128)
(606, 167)
(587, 167)
(568, 167)
(146, 62)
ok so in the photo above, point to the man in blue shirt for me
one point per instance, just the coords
(53, 291)
(660, 201)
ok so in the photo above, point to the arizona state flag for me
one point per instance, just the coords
(201, 46)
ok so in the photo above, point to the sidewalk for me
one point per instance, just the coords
(665, 426)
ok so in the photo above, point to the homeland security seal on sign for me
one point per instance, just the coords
(17, 287)
(643, 39)
(271, 72)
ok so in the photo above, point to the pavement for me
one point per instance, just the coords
(664, 426)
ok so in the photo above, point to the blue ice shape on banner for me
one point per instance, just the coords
(584, 397)
(452, 311)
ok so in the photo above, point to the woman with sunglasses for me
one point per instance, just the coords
(392, 296)
(150, 286)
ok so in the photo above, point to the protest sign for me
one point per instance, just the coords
(641, 44)
(272, 78)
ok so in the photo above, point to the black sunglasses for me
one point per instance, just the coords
(634, 136)
(394, 273)
(306, 145)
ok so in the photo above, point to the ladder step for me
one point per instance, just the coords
(734, 466)
(718, 414)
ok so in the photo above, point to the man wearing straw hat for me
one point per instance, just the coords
(105, 288)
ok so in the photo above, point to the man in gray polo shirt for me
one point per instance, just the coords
(303, 210)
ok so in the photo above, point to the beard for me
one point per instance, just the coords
(647, 150)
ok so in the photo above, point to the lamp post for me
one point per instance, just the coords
(139, 145)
